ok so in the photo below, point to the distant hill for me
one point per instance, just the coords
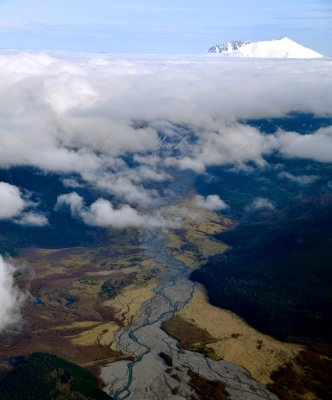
(280, 48)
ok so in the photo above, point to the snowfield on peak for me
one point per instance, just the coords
(280, 48)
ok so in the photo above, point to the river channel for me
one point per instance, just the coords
(148, 377)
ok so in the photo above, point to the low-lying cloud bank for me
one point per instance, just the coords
(11, 298)
(104, 120)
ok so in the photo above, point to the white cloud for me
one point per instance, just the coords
(66, 92)
(71, 200)
(11, 202)
(102, 213)
(13, 207)
(71, 183)
(231, 144)
(212, 202)
(11, 298)
(299, 179)
(193, 164)
(32, 219)
(261, 203)
(317, 146)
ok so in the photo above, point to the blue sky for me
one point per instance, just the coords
(160, 26)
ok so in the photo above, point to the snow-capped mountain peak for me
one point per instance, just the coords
(280, 48)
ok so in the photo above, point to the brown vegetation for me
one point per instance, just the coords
(189, 335)
(206, 389)
(308, 377)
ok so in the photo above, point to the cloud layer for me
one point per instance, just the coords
(122, 124)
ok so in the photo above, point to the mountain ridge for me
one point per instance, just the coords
(276, 48)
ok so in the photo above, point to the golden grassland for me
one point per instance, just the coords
(235, 341)
(102, 334)
(77, 325)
